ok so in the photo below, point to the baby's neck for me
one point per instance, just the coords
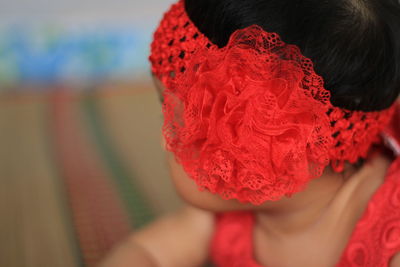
(302, 210)
(305, 209)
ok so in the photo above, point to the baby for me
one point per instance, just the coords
(281, 131)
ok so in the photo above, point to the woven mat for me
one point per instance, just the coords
(78, 173)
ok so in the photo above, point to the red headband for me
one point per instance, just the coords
(252, 120)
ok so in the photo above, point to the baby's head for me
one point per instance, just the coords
(354, 46)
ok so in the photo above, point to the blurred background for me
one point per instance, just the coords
(81, 165)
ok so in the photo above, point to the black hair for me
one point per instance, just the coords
(354, 44)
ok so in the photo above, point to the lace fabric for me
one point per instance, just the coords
(251, 121)
(374, 240)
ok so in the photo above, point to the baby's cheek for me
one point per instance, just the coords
(189, 192)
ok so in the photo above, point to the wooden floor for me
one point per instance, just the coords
(37, 227)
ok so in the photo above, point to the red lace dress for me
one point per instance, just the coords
(374, 240)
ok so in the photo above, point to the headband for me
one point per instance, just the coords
(251, 121)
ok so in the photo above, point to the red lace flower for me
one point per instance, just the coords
(242, 122)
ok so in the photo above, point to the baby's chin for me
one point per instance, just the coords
(189, 192)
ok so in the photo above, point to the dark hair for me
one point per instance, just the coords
(354, 44)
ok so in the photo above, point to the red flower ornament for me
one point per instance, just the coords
(249, 121)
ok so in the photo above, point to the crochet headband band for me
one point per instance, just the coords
(252, 120)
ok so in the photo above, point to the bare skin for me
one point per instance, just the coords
(284, 236)
(287, 233)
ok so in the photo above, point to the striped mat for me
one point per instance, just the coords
(79, 172)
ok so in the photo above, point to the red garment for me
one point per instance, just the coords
(374, 240)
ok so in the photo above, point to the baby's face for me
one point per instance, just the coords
(189, 192)
(187, 188)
